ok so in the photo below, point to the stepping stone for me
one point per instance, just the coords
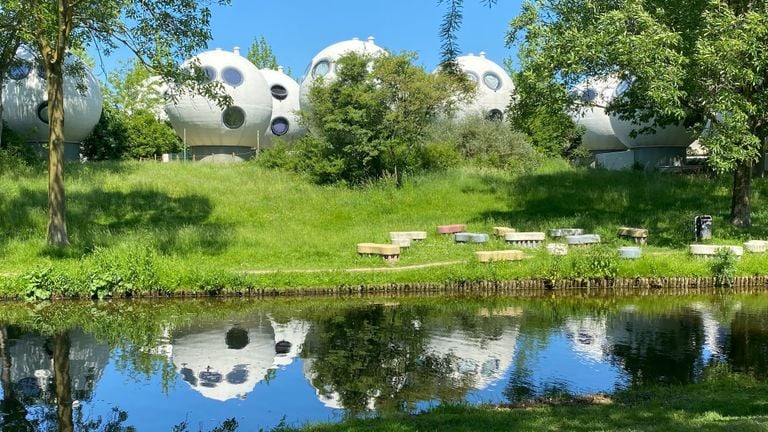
(451, 229)
(709, 250)
(502, 255)
(470, 238)
(582, 240)
(525, 239)
(629, 252)
(501, 231)
(411, 235)
(638, 235)
(562, 232)
(390, 252)
(756, 246)
(557, 249)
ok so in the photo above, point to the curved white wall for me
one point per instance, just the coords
(596, 94)
(285, 104)
(494, 88)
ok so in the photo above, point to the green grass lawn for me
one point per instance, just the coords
(197, 220)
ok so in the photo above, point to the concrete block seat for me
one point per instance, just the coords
(502, 231)
(630, 252)
(466, 237)
(390, 252)
(451, 229)
(405, 238)
(710, 250)
(557, 249)
(582, 240)
(756, 246)
(562, 232)
(638, 235)
(500, 255)
(525, 239)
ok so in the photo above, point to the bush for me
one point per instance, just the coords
(599, 261)
(724, 267)
(15, 153)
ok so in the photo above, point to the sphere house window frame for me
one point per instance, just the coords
(42, 112)
(210, 73)
(233, 117)
(495, 115)
(232, 76)
(279, 92)
(472, 77)
(317, 68)
(492, 81)
(279, 126)
(20, 70)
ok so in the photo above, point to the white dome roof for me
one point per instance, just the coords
(324, 63)
(599, 135)
(285, 104)
(494, 87)
(25, 101)
(205, 124)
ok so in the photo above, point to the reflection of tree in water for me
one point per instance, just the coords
(376, 355)
(657, 349)
(747, 346)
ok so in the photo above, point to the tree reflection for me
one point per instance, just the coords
(13, 413)
(747, 347)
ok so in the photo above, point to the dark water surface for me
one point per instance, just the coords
(154, 365)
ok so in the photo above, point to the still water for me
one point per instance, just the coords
(156, 365)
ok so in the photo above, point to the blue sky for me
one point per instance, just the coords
(298, 29)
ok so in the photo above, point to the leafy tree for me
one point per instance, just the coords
(262, 56)
(10, 39)
(372, 120)
(156, 31)
(109, 139)
(133, 88)
(148, 137)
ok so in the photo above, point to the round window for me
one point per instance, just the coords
(233, 117)
(280, 126)
(495, 115)
(279, 92)
(321, 68)
(232, 76)
(210, 73)
(472, 76)
(20, 70)
(42, 112)
(492, 81)
(589, 95)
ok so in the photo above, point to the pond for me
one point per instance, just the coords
(158, 365)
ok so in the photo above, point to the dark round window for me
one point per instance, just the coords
(589, 95)
(233, 117)
(279, 92)
(321, 68)
(492, 81)
(280, 126)
(495, 115)
(232, 76)
(20, 70)
(210, 73)
(42, 112)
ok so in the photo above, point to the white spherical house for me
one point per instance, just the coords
(324, 63)
(494, 88)
(285, 104)
(594, 95)
(231, 134)
(25, 102)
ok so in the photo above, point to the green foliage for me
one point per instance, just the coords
(109, 139)
(123, 271)
(136, 135)
(262, 56)
(599, 261)
(15, 153)
(724, 266)
(371, 121)
(133, 88)
(42, 283)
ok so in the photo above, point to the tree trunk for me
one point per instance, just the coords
(57, 224)
(5, 358)
(61, 345)
(742, 189)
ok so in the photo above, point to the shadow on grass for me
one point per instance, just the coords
(102, 218)
(601, 201)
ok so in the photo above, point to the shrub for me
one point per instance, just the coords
(599, 261)
(15, 153)
(724, 267)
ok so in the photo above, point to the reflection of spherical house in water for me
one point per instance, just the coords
(588, 337)
(483, 360)
(324, 63)
(25, 102)
(595, 94)
(32, 365)
(285, 104)
(327, 395)
(494, 88)
(231, 134)
(223, 361)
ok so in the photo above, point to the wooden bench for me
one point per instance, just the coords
(451, 229)
(562, 232)
(582, 240)
(629, 252)
(501, 255)
(638, 235)
(710, 250)
(525, 239)
(501, 231)
(465, 237)
(756, 246)
(390, 252)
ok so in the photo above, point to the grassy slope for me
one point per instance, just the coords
(728, 403)
(240, 217)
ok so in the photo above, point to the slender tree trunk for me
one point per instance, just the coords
(57, 223)
(5, 358)
(742, 189)
(61, 345)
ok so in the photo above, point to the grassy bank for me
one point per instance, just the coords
(724, 402)
(135, 226)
